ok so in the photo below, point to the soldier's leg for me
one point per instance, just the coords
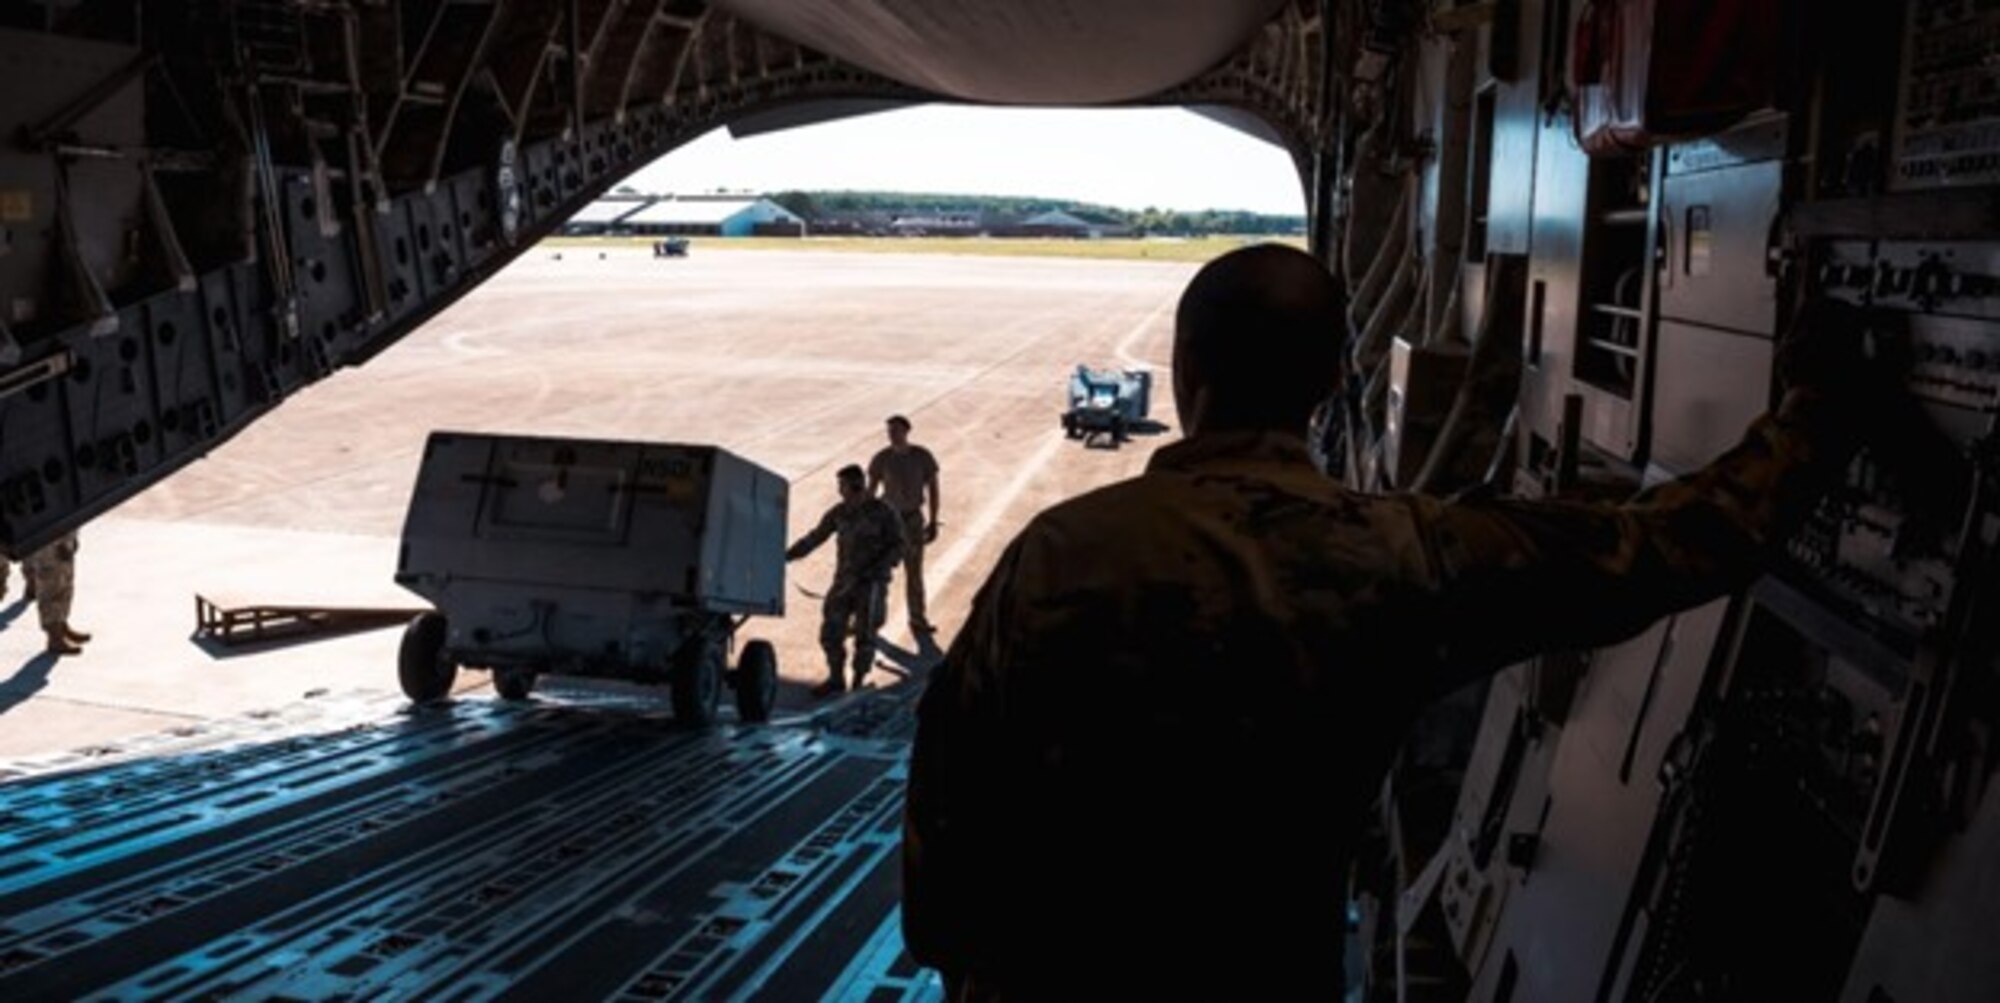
(870, 598)
(65, 550)
(54, 584)
(878, 613)
(69, 589)
(913, 573)
(27, 579)
(835, 613)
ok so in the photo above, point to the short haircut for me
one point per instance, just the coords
(853, 473)
(1262, 329)
(897, 419)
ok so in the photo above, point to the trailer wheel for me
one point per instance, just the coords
(514, 684)
(756, 681)
(424, 669)
(697, 681)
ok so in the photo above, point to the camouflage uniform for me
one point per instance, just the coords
(868, 543)
(1090, 788)
(53, 571)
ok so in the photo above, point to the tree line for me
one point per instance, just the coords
(1166, 222)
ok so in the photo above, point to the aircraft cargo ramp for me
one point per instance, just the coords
(471, 851)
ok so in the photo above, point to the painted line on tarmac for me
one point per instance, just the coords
(464, 344)
(961, 550)
(988, 517)
(1125, 356)
(968, 541)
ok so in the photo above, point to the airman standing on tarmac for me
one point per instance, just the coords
(868, 543)
(906, 476)
(51, 574)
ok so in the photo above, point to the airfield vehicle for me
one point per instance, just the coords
(589, 557)
(672, 247)
(1107, 402)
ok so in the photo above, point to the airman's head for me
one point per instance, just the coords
(853, 482)
(1258, 341)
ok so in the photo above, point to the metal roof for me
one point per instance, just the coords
(608, 210)
(692, 212)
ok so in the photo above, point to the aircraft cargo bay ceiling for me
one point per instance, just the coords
(1039, 52)
(207, 206)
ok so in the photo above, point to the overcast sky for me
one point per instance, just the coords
(1131, 158)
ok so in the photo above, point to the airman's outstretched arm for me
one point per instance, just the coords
(1515, 577)
(814, 537)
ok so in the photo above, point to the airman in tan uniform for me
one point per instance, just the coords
(905, 475)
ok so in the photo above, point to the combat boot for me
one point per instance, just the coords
(833, 687)
(75, 636)
(60, 644)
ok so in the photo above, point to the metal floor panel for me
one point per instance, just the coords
(475, 851)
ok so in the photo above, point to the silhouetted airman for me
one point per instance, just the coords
(1142, 766)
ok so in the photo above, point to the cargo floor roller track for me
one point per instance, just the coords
(471, 851)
